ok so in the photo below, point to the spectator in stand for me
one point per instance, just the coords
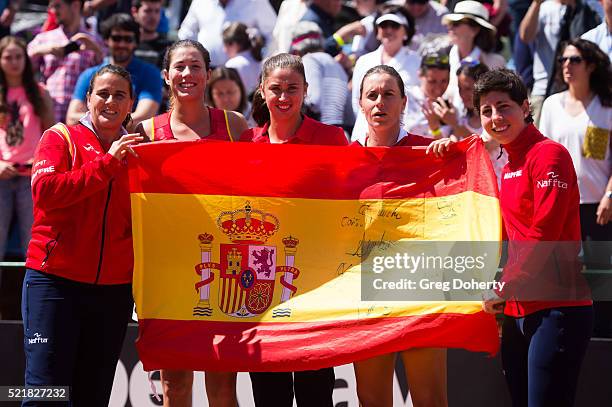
(103, 9)
(244, 47)
(602, 34)
(8, 9)
(60, 60)
(152, 45)
(547, 23)
(226, 91)
(26, 110)
(121, 34)
(323, 13)
(77, 292)
(420, 115)
(427, 16)
(291, 11)
(587, 104)
(328, 97)
(206, 19)
(473, 39)
(394, 28)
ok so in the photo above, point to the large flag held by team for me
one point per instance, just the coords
(249, 257)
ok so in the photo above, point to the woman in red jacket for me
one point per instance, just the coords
(548, 311)
(277, 108)
(77, 296)
(186, 70)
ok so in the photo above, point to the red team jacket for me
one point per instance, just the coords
(540, 203)
(309, 132)
(82, 227)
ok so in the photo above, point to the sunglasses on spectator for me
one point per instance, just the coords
(125, 38)
(464, 21)
(573, 60)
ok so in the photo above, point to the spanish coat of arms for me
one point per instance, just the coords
(247, 267)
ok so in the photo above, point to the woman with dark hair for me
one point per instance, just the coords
(26, 110)
(585, 72)
(473, 39)
(382, 103)
(394, 29)
(77, 292)
(225, 91)
(548, 311)
(243, 46)
(587, 100)
(186, 71)
(277, 108)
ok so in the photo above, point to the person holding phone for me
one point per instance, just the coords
(55, 54)
(77, 292)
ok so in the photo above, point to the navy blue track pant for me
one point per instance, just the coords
(542, 353)
(73, 334)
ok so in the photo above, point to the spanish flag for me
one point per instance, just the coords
(248, 257)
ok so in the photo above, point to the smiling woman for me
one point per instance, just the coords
(186, 70)
(277, 108)
(77, 286)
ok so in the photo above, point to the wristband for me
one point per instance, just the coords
(436, 133)
(338, 40)
(608, 194)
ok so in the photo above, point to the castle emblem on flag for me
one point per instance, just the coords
(247, 267)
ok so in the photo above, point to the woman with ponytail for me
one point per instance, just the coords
(244, 45)
(186, 70)
(277, 109)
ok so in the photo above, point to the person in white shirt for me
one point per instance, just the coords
(420, 116)
(290, 12)
(587, 108)
(394, 28)
(244, 47)
(602, 34)
(473, 39)
(206, 19)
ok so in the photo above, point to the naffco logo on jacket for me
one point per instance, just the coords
(553, 181)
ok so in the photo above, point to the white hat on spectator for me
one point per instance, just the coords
(471, 10)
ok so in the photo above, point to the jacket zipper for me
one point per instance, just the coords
(110, 188)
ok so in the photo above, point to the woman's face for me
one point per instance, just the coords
(109, 102)
(391, 35)
(462, 32)
(12, 61)
(574, 68)
(381, 101)
(187, 74)
(284, 91)
(226, 94)
(501, 117)
(466, 90)
(434, 82)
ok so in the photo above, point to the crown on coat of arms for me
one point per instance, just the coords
(290, 242)
(248, 225)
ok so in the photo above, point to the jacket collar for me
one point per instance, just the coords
(525, 140)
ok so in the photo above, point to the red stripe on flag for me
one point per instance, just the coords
(314, 172)
(191, 345)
